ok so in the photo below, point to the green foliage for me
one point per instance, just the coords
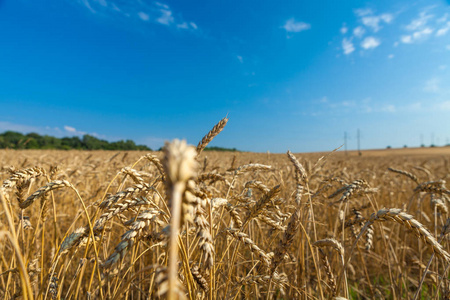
(220, 149)
(17, 140)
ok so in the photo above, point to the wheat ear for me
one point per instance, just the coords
(211, 135)
(180, 166)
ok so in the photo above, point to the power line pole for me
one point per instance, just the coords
(359, 143)
(345, 142)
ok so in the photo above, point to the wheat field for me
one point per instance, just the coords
(184, 223)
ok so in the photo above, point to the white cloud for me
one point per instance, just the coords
(183, 25)
(88, 6)
(447, 47)
(70, 129)
(373, 21)
(54, 131)
(442, 31)
(359, 31)
(166, 17)
(443, 18)
(347, 46)
(370, 42)
(156, 12)
(387, 18)
(419, 22)
(143, 16)
(406, 39)
(115, 7)
(241, 60)
(416, 36)
(432, 85)
(293, 26)
(444, 105)
(102, 3)
(193, 25)
(361, 12)
(442, 67)
(391, 56)
(344, 29)
(165, 6)
(422, 33)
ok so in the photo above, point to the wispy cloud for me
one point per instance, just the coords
(416, 36)
(419, 22)
(344, 29)
(347, 46)
(73, 131)
(151, 12)
(364, 106)
(293, 26)
(420, 28)
(166, 17)
(443, 30)
(143, 16)
(193, 25)
(240, 58)
(370, 42)
(70, 129)
(361, 12)
(374, 21)
(432, 85)
(54, 131)
(369, 22)
(444, 106)
(359, 31)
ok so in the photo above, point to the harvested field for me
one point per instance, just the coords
(224, 225)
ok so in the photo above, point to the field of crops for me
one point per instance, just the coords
(183, 223)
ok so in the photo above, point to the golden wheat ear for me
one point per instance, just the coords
(211, 135)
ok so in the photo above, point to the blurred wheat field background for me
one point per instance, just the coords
(189, 224)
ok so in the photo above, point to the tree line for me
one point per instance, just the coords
(17, 140)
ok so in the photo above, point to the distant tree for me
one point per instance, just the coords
(16, 140)
(388, 147)
(13, 139)
(31, 143)
(91, 143)
(220, 149)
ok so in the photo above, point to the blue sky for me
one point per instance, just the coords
(290, 74)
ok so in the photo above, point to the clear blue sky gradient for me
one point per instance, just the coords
(290, 74)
